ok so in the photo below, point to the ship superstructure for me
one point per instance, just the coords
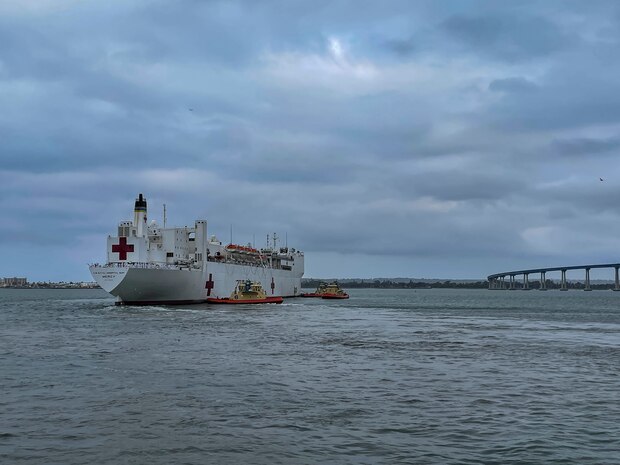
(149, 264)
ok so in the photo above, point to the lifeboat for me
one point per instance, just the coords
(247, 292)
(241, 249)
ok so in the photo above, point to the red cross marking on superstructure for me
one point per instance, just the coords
(209, 284)
(273, 285)
(122, 248)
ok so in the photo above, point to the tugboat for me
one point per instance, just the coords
(247, 292)
(320, 290)
(333, 291)
(328, 291)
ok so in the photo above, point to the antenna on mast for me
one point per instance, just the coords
(231, 233)
(164, 215)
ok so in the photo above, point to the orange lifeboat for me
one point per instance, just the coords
(241, 249)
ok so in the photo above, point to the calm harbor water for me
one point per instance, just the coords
(388, 376)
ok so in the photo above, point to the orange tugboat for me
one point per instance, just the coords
(328, 291)
(333, 291)
(320, 290)
(247, 292)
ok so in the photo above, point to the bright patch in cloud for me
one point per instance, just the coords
(336, 49)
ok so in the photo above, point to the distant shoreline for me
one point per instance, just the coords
(401, 283)
(55, 286)
(349, 283)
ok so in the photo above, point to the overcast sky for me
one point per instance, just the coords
(386, 138)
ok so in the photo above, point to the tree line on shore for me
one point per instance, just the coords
(311, 283)
(389, 284)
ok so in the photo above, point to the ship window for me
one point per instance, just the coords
(170, 254)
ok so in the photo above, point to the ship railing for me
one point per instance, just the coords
(236, 261)
(144, 265)
(168, 266)
(256, 264)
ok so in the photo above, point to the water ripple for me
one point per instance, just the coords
(425, 377)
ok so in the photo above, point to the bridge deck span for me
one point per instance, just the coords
(554, 268)
(497, 280)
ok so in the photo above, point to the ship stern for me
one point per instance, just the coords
(108, 278)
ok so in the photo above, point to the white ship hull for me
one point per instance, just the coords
(135, 285)
(147, 264)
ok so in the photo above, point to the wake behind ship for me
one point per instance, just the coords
(147, 264)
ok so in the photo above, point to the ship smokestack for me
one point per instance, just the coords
(139, 215)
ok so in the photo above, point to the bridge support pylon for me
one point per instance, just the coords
(587, 283)
(543, 282)
(526, 282)
(563, 286)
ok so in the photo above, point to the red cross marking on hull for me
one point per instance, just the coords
(209, 284)
(122, 248)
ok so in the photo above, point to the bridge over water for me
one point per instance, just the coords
(498, 280)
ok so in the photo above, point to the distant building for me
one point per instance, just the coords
(13, 282)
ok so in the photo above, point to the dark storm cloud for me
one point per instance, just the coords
(509, 37)
(513, 84)
(585, 146)
(578, 90)
(469, 186)
(414, 131)
(592, 194)
(403, 47)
